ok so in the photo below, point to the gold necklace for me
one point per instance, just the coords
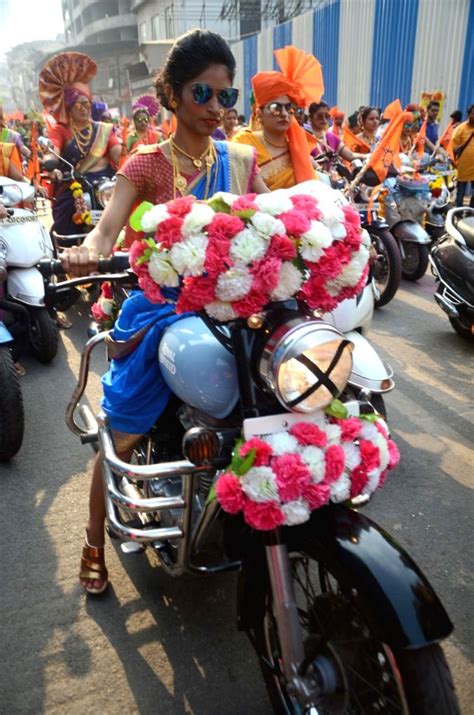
(83, 137)
(179, 181)
(197, 161)
(279, 146)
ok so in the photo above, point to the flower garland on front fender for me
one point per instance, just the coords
(279, 479)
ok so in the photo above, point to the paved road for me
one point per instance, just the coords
(158, 646)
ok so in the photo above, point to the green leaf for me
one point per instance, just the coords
(151, 243)
(219, 206)
(370, 417)
(245, 214)
(137, 215)
(247, 463)
(337, 409)
(212, 496)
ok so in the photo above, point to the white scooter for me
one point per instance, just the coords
(24, 317)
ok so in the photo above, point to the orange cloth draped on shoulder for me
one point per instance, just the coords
(301, 80)
(9, 155)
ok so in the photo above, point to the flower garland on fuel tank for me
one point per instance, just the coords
(232, 255)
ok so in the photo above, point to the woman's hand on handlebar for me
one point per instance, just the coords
(80, 260)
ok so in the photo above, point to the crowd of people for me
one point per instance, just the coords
(189, 139)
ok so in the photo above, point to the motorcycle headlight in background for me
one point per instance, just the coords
(104, 192)
(307, 365)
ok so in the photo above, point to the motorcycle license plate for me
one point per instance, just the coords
(96, 216)
(257, 426)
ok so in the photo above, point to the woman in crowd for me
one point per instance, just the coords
(91, 147)
(196, 85)
(337, 118)
(369, 120)
(230, 123)
(410, 129)
(142, 133)
(283, 146)
(328, 143)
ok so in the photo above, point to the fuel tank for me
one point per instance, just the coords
(198, 368)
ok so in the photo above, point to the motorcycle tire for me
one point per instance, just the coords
(464, 331)
(44, 335)
(416, 260)
(12, 418)
(369, 675)
(388, 266)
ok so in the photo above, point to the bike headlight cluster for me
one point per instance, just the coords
(104, 192)
(307, 364)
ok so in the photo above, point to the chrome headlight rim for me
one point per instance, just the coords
(104, 192)
(290, 340)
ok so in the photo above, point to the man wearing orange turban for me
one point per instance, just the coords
(283, 146)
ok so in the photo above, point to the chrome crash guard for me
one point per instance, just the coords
(122, 494)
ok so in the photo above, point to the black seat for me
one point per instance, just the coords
(466, 228)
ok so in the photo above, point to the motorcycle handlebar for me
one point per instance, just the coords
(118, 263)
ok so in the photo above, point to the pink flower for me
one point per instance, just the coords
(170, 231)
(335, 460)
(150, 288)
(382, 428)
(281, 247)
(225, 227)
(254, 302)
(343, 251)
(382, 479)
(98, 314)
(359, 479)
(263, 451)
(137, 249)
(394, 454)
(351, 217)
(292, 475)
(329, 266)
(350, 428)
(369, 455)
(316, 495)
(307, 205)
(229, 493)
(181, 206)
(353, 238)
(245, 203)
(217, 256)
(197, 292)
(351, 292)
(309, 434)
(296, 222)
(314, 293)
(265, 275)
(263, 516)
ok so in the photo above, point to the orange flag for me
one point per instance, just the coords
(419, 145)
(387, 150)
(353, 142)
(33, 167)
(446, 141)
(392, 109)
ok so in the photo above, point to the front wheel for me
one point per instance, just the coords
(416, 260)
(12, 419)
(387, 267)
(356, 671)
(464, 328)
(44, 335)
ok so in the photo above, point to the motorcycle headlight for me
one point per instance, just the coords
(307, 364)
(105, 192)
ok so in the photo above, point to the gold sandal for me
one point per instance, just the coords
(93, 567)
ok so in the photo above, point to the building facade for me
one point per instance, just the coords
(22, 74)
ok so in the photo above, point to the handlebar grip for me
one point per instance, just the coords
(118, 263)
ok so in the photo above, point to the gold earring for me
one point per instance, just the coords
(173, 103)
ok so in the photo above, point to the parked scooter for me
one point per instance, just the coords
(24, 318)
(452, 263)
(442, 186)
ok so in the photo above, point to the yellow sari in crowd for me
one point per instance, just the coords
(9, 155)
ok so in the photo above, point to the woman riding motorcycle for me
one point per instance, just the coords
(196, 85)
(142, 133)
(91, 147)
(369, 120)
(328, 145)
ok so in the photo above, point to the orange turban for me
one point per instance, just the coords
(66, 72)
(301, 80)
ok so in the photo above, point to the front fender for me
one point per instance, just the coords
(368, 369)
(410, 231)
(388, 587)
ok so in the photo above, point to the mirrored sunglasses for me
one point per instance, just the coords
(203, 93)
(276, 108)
(82, 105)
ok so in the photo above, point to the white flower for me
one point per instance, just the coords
(199, 216)
(289, 282)
(247, 246)
(234, 284)
(333, 216)
(220, 310)
(352, 453)
(381, 443)
(281, 443)
(333, 433)
(151, 219)
(107, 305)
(274, 203)
(161, 270)
(266, 225)
(368, 431)
(350, 274)
(296, 512)
(314, 458)
(188, 256)
(340, 489)
(226, 197)
(314, 241)
(259, 484)
(373, 481)
(365, 238)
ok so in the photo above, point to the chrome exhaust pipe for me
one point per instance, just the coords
(446, 305)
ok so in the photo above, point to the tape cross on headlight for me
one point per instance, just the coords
(323, 376)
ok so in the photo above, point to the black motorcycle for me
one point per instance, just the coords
(452, 264)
